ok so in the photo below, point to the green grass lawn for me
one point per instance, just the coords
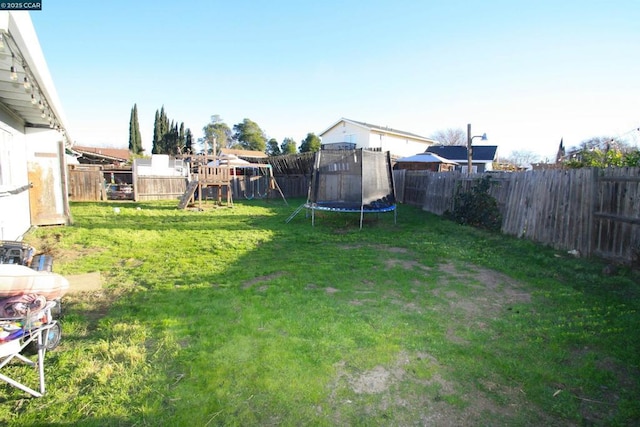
(230, 316)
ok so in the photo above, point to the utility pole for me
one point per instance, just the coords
(469, 150)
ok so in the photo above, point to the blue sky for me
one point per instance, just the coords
(527, 73)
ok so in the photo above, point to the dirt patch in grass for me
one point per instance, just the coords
(406, 264)
(50, 245)
(416, 383)
(426, 400)
(261, 279)
(485, 291)
(329, 290)
(93, 305)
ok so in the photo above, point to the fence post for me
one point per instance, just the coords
(593, 202)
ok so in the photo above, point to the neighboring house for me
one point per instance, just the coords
(160, 165)
(351, 134)
(482, 161)
(425, 161)
(115, 167)
(33, 135)
(102, 156)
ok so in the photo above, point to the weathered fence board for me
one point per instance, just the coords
(293, 185)
(617, 215)
(159, 187)
(86, 183)
(593, 211)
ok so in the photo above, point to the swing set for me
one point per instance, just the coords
(254, 181)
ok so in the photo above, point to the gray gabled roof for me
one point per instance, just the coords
(458, 153)
(384, 129)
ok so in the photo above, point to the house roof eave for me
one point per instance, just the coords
(380, 129)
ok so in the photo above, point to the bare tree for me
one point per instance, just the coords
(451, 136)
(523, 158)
(604, 143)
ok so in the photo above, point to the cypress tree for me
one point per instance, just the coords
(135, 139)
(169, 137)
(157, 136)
(132, 131)
(188, 141)
(164, 123)
(181, 141)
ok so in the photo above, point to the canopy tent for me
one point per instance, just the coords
(425, 161)
(228, 160)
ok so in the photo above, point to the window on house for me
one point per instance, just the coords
(351, 138)
(474, 169)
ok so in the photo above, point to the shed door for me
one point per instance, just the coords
(46, 194)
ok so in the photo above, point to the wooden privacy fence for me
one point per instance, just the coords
(293, 185)
(158, 187)
(86, 183)
(593, 211)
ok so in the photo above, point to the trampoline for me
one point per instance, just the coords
(357, 181)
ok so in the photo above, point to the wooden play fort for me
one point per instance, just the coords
(204, 177)
(214, 177)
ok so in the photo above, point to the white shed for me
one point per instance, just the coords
(33, 136)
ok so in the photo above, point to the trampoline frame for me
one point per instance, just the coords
(313, 207)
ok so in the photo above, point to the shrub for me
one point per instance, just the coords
(476, 207)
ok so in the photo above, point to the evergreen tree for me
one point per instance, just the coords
(250, 136)
(218, 132)
(174, 148)
(310, 144)
(135, 140)
(288, 146)
(164, 122)
(273, 149)
(181, 138)
(157, 135)
(169, 137)
(188, 142)
(139, 148)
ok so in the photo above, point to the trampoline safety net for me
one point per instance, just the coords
(352, 181)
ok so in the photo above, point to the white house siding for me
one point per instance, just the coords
(347, 132)
(397, 145)
(30, 155)
(14, 208)
(159, 165)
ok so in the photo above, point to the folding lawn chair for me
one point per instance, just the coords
(37, 331)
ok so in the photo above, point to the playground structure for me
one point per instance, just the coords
(222, 177)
